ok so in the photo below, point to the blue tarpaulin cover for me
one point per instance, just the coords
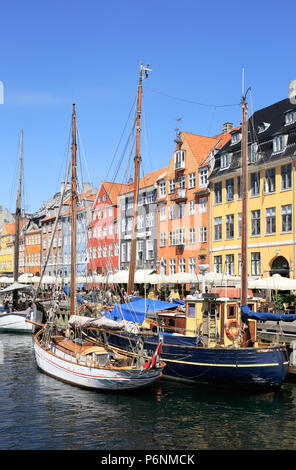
(137, 310)
(246, 313)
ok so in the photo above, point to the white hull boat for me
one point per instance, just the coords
(93, 367)
(16, 321)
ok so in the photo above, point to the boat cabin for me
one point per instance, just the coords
(217, 320)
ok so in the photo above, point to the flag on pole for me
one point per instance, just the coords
(154, 360)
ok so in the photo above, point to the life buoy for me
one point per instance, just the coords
(232, 329)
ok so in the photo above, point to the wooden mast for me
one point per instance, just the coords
(244, 278)
(73, 210)
(137, 162)
(17, 224)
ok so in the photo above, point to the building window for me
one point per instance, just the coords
(149, 250)
(203, 234)
(140, 221)
(255, 222)
(172, 185)
(255, 183)
(192, 207)
(230, 264)
(218, 192)
(116, 249)
(239, 264)
(163, 267)
(161, 188)
(218, 264)
(111, 249)
(191, 180)
(162, 213)
(255, 264)
(182, 265)
(239, 225)
(192, 235)
(172, 212)
(129, 225)
(239, 187)
(278, 143)
(149, 219)
(290, 117)
(270, 220)
(203, 177)
(217, 228)
(225, 160)
(182, 210)
(270, 180)
(253, 153)
(235, 138)
(229, 226)
(172, 266)
(162, 239)
(287, 218)
(202, 205)
(192, 265)
(179, 159)
(286, 172)
(230, 190)
(123, 252)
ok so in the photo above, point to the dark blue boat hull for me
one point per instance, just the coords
(226, 367)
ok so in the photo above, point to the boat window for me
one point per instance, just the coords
(191, 310)
(231, 311)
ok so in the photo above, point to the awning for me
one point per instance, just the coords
(16, 287)
(136, 311)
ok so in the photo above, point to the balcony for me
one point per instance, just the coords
(179, 195)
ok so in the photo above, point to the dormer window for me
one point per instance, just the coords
(290, 117)
(179, 159)
(279, 143)
(225, 160)
(263, 126)
(253, 153)
(235, 138)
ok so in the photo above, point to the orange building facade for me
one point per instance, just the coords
(183, 204)
(32, 255)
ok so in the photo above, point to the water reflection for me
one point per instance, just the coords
(39, 412)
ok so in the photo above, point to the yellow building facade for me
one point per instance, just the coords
(270, 227)
(271, 236)
(7, 248)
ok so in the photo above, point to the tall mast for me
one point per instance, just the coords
(137, 162)
(244, 276)
(17, 223)
(73, 210)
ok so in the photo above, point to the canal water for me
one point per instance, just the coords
(37, 412)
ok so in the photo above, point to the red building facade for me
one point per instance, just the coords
(103, 239)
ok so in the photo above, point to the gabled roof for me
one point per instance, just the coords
(151, 178)
(200, 145)
(113, 190)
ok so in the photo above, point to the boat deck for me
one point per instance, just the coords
(70, 347)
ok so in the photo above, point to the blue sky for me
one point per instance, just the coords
(88, 52)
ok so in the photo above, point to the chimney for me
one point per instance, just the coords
(227, 126)
(68, 186)
(292, 91)
(86, 187)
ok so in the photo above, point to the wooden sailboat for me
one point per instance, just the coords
(80, 362)
(14, 320)
(216, 346)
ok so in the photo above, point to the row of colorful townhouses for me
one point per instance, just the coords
(189, 213)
